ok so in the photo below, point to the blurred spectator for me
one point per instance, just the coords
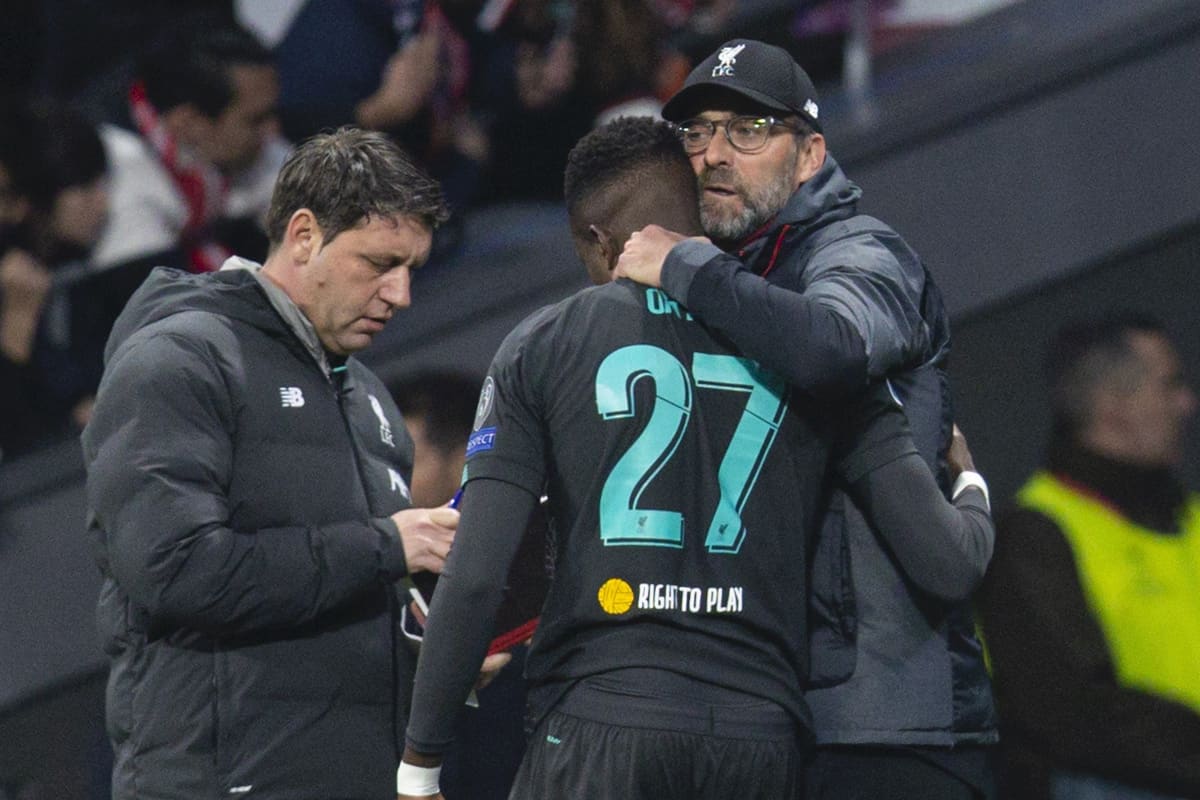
(621, 46)
(362, 62)
(484, 93)
(194, 163)
(53, 203)
(73, 50)
(532, 102)
(819, 30)
(1091, 606)
(490, 95)
(397, 66)
(439, 411)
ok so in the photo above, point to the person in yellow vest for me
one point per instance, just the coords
(1091, 605)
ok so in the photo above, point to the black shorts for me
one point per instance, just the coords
(598, 744)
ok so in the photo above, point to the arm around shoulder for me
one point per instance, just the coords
(811, 344)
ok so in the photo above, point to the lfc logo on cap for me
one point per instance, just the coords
(726, 59)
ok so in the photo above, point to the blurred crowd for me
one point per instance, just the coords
(146, 134)
(116, 159)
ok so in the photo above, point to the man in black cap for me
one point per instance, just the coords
(831, 298)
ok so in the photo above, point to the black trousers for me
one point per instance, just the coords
(899, 773)
(598, 745)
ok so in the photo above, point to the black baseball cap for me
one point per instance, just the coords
(764, 73)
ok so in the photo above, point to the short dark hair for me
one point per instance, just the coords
(1087, 355)
(617, 153)
(191, 62)
(346, 177)
(48, 148)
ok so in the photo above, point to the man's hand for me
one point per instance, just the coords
(427, 534)
(643, 256)
(491, 668)
(544, 74)
(958, 457)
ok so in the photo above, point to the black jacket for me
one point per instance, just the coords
(239, 513)
(830, 298)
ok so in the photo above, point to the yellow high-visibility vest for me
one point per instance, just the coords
(1142, 586)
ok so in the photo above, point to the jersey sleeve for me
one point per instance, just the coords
(872, 433)
(508, 442)
(494, 516)
(942, 546)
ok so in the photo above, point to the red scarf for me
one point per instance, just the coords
(203, 188)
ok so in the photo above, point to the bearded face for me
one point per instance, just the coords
(733, 204)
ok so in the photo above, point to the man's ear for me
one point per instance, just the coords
(812, 158)
(302, 238)
(606, 244)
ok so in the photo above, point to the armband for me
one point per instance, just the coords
(968, 478)
(417, 781)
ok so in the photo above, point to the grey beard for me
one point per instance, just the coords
(758, 208)
(723, 228)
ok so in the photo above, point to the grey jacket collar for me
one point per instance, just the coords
(288, 310)
(828, 191)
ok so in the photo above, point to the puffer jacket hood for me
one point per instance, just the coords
(167, 291)
(826, 197)
(829, 192)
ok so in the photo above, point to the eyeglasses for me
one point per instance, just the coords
(747, 134)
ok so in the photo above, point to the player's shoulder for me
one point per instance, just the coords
(611, 302)
(587, 315)
(571, 312)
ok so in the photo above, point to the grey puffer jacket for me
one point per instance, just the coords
(239, 508)
(832, 298)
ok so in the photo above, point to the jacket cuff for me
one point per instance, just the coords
(392, 564)
(682, 265)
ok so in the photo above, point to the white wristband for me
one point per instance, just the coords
(967, 478)
(417, 781)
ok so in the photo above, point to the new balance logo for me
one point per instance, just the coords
(291, 396)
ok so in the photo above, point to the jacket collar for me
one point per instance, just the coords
(826, 196)
(291, 314)
(1150, 496)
